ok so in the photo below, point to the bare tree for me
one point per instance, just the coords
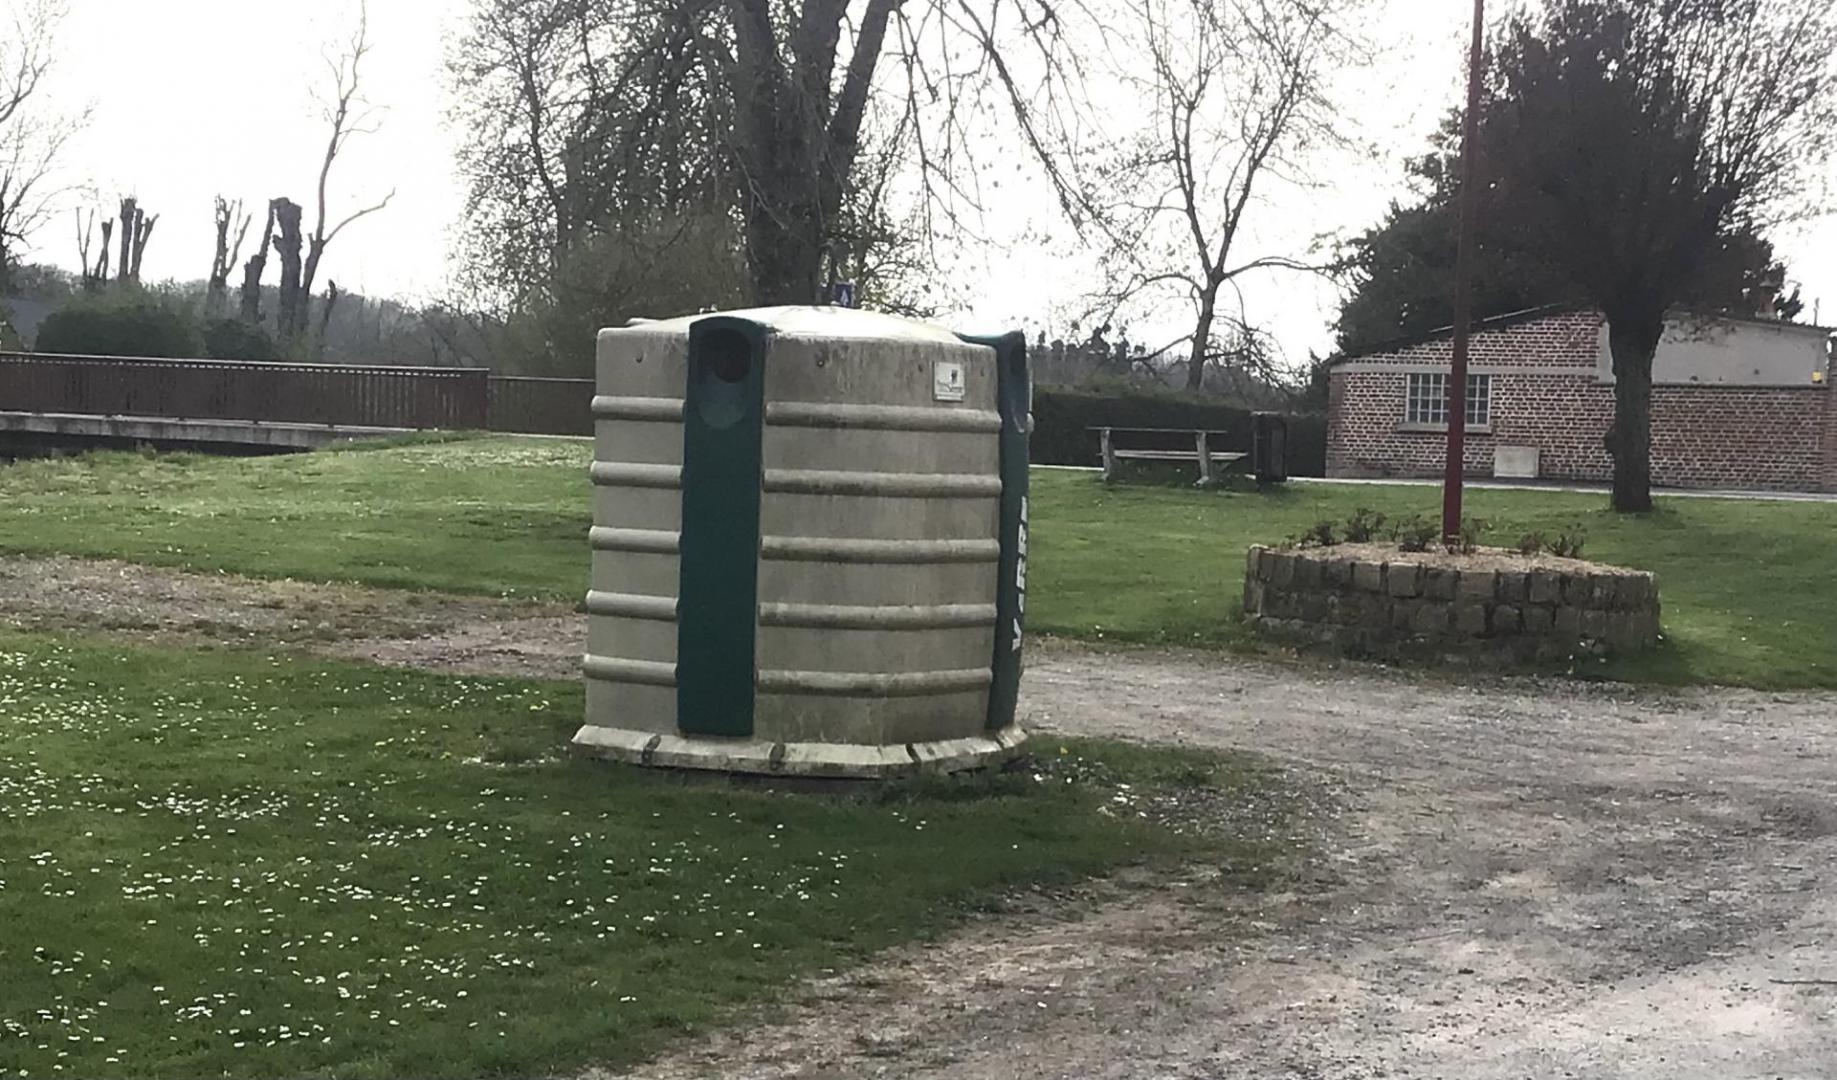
(759, 107)
(31, 140)
(94, 274)
(587, 120)
(349, 114)
(1238, 93)
(228, 215)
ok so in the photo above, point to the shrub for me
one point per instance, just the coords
(1568, 543)
(1364, 526)
(122, 322)
(1415, 533)
(233, 339)
(1532, 543)
(1468, 540)
(1323, 533)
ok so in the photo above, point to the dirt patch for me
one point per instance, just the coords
(470, 635)
(1528, 877)
(525, 646)
(1485, 558)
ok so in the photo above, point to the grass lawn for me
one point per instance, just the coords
(1750, 597)
(227, 863)
(498, 516)
(1748, 587)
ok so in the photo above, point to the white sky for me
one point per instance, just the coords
(190, 98)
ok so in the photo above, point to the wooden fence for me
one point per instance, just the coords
(541, 406)
(390, 397)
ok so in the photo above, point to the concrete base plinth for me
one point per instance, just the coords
(842, 761)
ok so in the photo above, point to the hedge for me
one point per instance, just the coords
(1062, 419)
(121, 322)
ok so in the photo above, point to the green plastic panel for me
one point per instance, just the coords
(1014, 400)
(722, 472)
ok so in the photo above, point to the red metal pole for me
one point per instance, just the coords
(1463, 287)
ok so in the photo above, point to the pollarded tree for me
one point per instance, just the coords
(1634, 138)
(1399, 274)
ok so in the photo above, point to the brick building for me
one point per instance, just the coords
(1736, 403)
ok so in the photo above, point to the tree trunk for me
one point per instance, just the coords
(101, 275)
(6, 253)
(784, 254)
(1202, 339)
(143, 229)
(1633, 341)
(291, 318)
(130, 217)
(325, 317)
(251, 301)
(315, 250)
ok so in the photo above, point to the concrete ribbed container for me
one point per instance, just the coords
(808, 552)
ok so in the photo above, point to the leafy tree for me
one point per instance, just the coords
(122, 322)
(1637, 142)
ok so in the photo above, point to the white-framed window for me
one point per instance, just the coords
(1426, 399)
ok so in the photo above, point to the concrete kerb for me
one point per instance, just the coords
(833, 761)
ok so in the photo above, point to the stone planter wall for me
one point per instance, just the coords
(1372, 599)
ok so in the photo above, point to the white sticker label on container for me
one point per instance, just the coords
(947, 380)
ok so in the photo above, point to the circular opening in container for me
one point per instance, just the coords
(728, 355)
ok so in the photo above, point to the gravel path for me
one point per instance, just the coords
(1534, 880)
(1528, 879)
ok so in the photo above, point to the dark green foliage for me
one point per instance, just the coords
(1415, 533)
(1364, 526)
(1402, 269)
(122, 322)
(233, 339)
(1062, 419)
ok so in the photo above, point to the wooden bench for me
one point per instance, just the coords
(1211, 462)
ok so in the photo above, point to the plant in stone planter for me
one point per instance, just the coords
(1415, 533)
(1364, 526)
(1568, 543)
(1468, 541)
(1323, 533)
